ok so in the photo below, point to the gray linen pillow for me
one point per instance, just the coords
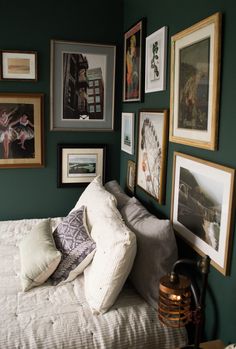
(156, 249)
(73, 240)
(115, 189)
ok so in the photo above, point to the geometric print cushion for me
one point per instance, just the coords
(77, 247)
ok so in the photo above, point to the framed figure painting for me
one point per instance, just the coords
(21, 131)
(152, 147)
(195, 77)
(133, 62)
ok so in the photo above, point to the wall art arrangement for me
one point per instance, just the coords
(79, 164)
(131, 176)
(155, 61)
(19, 65)
(133, 62)
(21, 131)
(195, 75)
(82, 86)
(127, 133)
(202, 201)
(152, 146)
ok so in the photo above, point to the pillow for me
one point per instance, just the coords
(99, 202)
(39, 256)
(74, 242)
(156, 249)
(106, 275)
(114, 188)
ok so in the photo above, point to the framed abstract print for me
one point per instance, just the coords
(202, 207)
(21, 130)
(79, 164)
(133, 62)
(195, 77)
(82, 86)
(155, 61)
(152, 146)
(127, 133)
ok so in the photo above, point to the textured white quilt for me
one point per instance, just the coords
(54, 317)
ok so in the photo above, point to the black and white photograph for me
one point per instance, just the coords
(79, 164)
(82, 86)
(202, 204)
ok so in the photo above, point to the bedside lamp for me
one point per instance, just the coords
(175, 294)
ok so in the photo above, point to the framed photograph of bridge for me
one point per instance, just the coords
(79, 164)
(202, 207)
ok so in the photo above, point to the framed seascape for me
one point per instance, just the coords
(82, 86)
(133, 62)
(79, 164)
(195, 80)
(19, 65)
(155, 61)
(202, 207)
(152, 148)
(127, 133)
(21, 130)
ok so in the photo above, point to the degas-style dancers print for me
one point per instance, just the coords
(16, 131)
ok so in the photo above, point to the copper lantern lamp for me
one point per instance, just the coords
(175, 298)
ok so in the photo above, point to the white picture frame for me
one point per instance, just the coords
(202, 207)
(155, 62)
(127, 132)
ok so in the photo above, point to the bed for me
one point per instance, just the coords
(54, 317)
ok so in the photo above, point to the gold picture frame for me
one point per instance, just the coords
(195, 83)
(131, 176)
(21, 130)
(202, 207)
(152, 149)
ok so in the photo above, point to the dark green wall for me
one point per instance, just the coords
(30, 25)
(178, 15)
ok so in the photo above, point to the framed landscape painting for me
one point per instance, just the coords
(133, 62)
(19, 65)
(21, 130)
(82, 86)
(152, 147)
(195, 80)
(202, 207)
(79, 164)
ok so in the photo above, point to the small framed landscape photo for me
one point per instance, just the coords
(127, 133)
(155, 70)
(82, 86)
(152, 148)
(202, 207)
(19, 65)
(21, 130)
(133, 62)
(195, 80)
(80, 164)
(131, 175)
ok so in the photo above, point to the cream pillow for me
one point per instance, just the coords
(38, 255)
(113, 260)
(98, 202)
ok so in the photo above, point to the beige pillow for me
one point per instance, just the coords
(39, 256)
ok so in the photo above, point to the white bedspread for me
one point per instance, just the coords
(58, 317)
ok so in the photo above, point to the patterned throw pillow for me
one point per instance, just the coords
(73, 240)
